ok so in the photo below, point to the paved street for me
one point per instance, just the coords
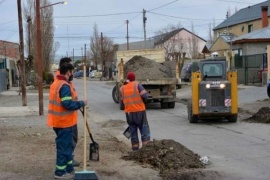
(237, 150)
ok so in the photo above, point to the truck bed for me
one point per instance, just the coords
(157, 81)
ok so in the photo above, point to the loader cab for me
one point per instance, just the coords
(213, 69)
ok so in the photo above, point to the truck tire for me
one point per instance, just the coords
(232, 118)
(164, 105)
(115, 95)
(192, 118)
(171, 104)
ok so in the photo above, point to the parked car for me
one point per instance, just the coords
(263, 68)
(79, 74)
(93, 73)
(186, 72)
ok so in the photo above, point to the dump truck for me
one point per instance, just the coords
(148, 67)
(214, 91)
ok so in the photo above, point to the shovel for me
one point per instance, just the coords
(127, 133)
(94, 147)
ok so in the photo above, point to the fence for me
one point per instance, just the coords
(248, 68)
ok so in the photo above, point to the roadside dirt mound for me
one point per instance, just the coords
(146, 68)
(262, 116)
(166, 156)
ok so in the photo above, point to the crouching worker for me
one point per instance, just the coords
(133, 96)
(62, 116)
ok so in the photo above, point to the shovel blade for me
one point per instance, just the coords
(94, 152)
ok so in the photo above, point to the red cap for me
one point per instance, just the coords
(131, 76)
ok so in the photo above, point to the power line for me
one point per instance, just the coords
(97, 15)
(163, 5)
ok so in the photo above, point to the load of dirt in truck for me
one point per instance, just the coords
(146, 68)
(166, 156)
(262, 116)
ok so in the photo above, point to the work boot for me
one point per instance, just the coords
(64, 176)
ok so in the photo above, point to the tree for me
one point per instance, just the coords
(48, 49)
(193, 44)
(101, 48)
(174, 47)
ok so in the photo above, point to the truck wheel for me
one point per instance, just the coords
(232, 118)
(115, 95)
(164, 105)
(171, 104)
(192, 118)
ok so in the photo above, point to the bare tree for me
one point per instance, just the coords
(95, 46)
(174, 47)
(193, 44)
(48, 50)
(100, 48)
(210, 34)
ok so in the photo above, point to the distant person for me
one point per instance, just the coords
(133, 96)
(75, 131)
(62, 116)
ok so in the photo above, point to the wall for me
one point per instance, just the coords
(220, 47)
(252, 48)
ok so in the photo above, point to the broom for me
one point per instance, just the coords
(84, 174)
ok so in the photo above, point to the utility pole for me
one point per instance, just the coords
(144, 27)
(39, 60)
(85, 55)
(73, 57)
(23, 83)
(29, 33)
(127, 36)
(102, 53)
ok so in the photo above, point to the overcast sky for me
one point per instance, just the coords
(74, 21)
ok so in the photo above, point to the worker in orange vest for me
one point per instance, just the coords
(133, 96)
(62, 116)
(75, 130)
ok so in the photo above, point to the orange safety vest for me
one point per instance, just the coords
(71, 84)
(131, 97)
(58, 116)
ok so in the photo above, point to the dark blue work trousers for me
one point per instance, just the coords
(138, 120)
(64, 150)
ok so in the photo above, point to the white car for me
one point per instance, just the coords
(93, 73)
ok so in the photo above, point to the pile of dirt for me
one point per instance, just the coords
(262, 116)
(166, 156)
(146, 68)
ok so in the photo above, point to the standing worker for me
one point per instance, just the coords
(62, 116)
(133, 96)
(75, 130)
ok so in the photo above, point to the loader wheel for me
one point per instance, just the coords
(171, 104)
(192, 118)
(115, 95)
(164, 105)
(232, 118)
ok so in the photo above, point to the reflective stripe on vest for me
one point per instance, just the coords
(58, 116)
(132, 98)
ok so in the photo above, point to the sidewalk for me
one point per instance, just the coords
(11, 103)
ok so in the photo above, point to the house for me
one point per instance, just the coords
(9, 55)
(252, 43)
(244, 21)
(179, 42)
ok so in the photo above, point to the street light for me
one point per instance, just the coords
(39, 55)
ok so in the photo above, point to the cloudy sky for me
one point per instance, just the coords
(74, 22)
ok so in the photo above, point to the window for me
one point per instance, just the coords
(250, 28)
(213, 70)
